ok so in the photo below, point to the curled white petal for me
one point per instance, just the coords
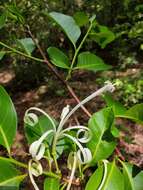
(42, 112)
(86, 153)
(36, 169)
(86, 135)
(82, 130)
(31, 119)
(37, 148)
(32, 172)
(86, 156)
(65, 111)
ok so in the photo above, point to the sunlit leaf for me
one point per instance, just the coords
(8, 120)
(99, 123)
(10, 177)
(96, 179)
(51, 184)
(68, 24)
(114, 179)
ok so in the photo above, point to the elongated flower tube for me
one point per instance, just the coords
(109, 87)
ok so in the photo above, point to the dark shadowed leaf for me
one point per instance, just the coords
(102, 35)
(3, 20)
(2, 53)
(27, 45)
(90, 61)
(81, 18)
(58, 58)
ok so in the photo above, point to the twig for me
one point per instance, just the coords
(71, 91)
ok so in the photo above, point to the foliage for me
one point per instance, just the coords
(44, 135)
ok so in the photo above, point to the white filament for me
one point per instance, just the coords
(32, 172)
(105, 174)
(86, 154)
(73, 172)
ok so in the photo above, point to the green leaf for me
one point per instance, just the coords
(68, 24)
(118, 108)
(3, 18)
(135, 113)
(127, 172)
(58, 58)
(8, 120)
(51, 184)
(96, 179)
(102, 35)
(27, 45)
(99, 123)
(81, 18)
(114, 179)
(138, 181)
(2, 53)
(90, 61)
(9, 175)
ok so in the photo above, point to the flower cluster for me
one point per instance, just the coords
(83, 135)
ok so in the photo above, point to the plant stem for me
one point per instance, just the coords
(77, 51)
(14, 162)
(71, 91)
(21, 53)
(51, 174)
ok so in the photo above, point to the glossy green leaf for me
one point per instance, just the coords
(96, 179)
(138, 181)
(127, 172)
(8, 120)
(114, 179)
(102, 35)
(27, 45)
(99, 123)
(51, 184)
(90, 61)
(3, 20)
(135, 113)
(9, 175)
(2, 53)
(118, 108)
(81, 18)
(58, 58)
(68, 24)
